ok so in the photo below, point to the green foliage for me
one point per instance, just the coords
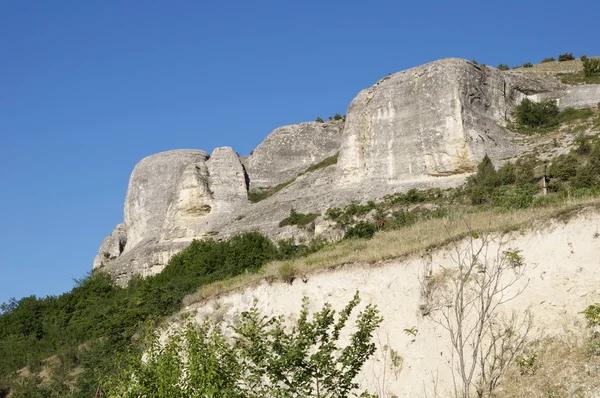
(570, 114)
(331, 160)
(527, 65)
(512, 186)
(563, 167)
(298, 219)
(481, 185)
(591, 67)
(261, 357)
(514, 257)
(592, 315)
(362, 230)
(503, 67)
(526, 363)
(541, 114)
(337, 116)
(566, 57)
(288, 248)
(107, 317)
(583, 58)
(550, 59)
(256, 195)
(319, 120)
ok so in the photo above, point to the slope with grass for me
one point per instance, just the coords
(559, 244)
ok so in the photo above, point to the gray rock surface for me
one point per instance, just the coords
(111, 247)
(289, 150)
(151, 189)
(425, 127)
(434, 120)
(585, 96)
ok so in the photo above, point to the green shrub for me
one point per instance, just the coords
(256, 195)
(537, 114)
(298, 219)
(582, 145)
(592, 315)
(337, 116)
(288, 249)
(585, 177)
(591, 67)
(503, 67)
(550, 59)
(583, 58)
(569, 114)
(527, 65)
(331, 160)
(259, 356)
(507, 174)
(566, 57)
(563, 167)
(362, 230)
(319, 120)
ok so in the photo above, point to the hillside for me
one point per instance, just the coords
(446, 167)
(427, 127)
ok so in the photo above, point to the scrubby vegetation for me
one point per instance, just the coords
(88, 326)
(298, 219)
(257, 357)
(543, 116)
(591, 67)
(566, 57)
(549, 59)
(503, 67)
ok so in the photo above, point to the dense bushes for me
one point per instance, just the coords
(362, 229)
(298, 219)
(106, 317)
(579, 169)
(511, 186)
(566, 57)
(549, 59)
(537, 114)
(256, 357)
(503, 67)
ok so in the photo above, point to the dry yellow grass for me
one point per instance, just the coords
(564, 367)
(402, 243)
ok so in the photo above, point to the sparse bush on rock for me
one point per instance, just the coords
(591, 67)
(537, 114)
(566, 57)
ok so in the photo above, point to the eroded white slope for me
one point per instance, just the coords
(563, 274)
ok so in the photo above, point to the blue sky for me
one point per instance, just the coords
(88, 88)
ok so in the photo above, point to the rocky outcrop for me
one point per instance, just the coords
(112, 246)
(428, 126)
(151, 189)
(289, 150)
(434, 120)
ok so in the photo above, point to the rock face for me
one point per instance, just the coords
(152, 187)
(289, 150)
(428, 126)
(434, 120)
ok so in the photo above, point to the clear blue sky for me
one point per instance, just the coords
(88, 88)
